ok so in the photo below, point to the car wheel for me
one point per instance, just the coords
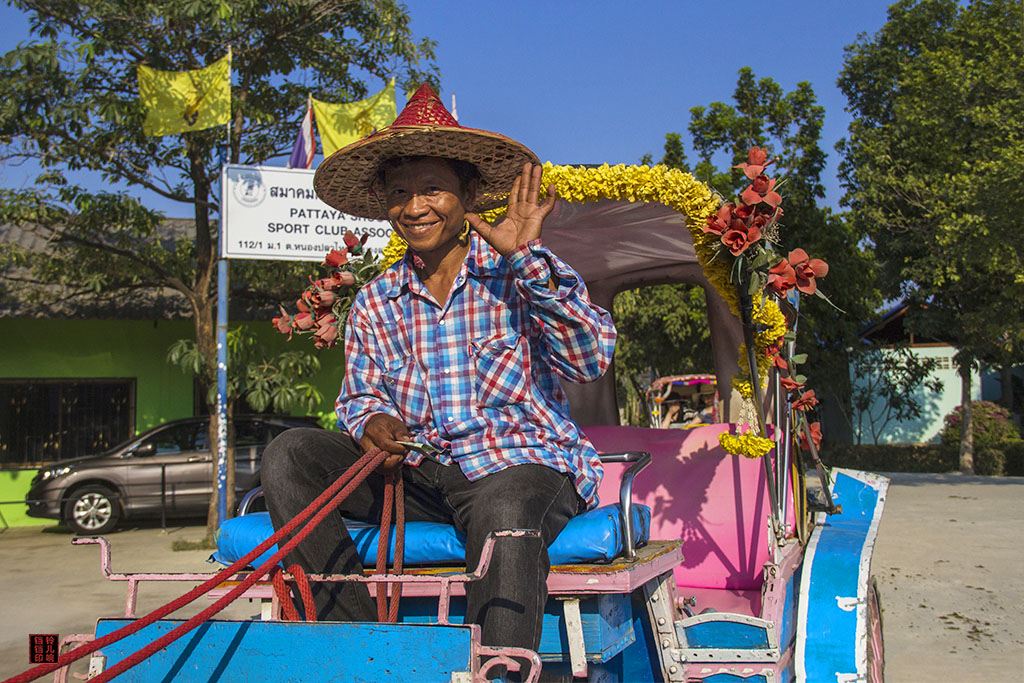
(92, 510)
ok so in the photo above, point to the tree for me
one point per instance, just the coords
(887, 392)
(789, 126)
(255, 379)
(932, 169)
(68, 101)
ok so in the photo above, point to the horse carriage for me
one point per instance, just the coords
(701, 564)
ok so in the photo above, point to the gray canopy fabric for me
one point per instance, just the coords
(620, 245)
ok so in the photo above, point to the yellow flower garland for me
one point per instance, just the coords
(695, 200)
(747, 444)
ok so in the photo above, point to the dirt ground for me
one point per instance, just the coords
(948, 558)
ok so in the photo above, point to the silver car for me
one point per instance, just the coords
(164, 471)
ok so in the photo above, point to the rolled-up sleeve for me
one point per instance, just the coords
(362, 394)
(578, 335)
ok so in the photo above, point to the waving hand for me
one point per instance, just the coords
(525, 216)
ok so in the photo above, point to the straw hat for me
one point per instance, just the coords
(345, 179)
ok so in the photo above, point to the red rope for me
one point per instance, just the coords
(333, 496)
(299, 574)
(394, 497)
(284, 595)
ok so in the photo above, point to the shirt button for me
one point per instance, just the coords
(441, 323)
(451, 419)
(447, 371)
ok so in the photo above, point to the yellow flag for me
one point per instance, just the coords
(180, 101)
(343, 124)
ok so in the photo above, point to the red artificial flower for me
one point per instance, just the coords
(350, 239)
(781, 277)
(343, 278)
(323, 299)
(757, 161)
(335, 259)
(790, 384)
(806, 401)
(302, 305)
(325, 284)
(283, 323)
(304, 321)
(815, 436)
(719, 223)
(761, 190)
(806, 270)
(739, 236)
(779, 362)
(326, 334)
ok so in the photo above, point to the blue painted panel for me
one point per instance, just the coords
(606, 632)
(726, 635)
(637, 663)
(788, 630)
(834, 573)
(293, 651)
(732, 678)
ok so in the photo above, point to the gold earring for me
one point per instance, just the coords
(464, 235)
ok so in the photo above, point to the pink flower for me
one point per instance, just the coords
(343, 278)
(739, 236)
(806, 270)
(757, 161)
(807, 400)
(302, 305)
(304, 321)
(761, 190)
(283, 323)
(815, 436)
(325, 284)
(335, 258)
(324, 299)
(326, 334)
(781, 277)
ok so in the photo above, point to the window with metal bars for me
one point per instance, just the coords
(48, 420)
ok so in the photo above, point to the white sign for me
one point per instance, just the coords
(272, 213)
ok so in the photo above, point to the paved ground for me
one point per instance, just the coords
(949, 561)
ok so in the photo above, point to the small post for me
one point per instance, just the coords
(163, 496)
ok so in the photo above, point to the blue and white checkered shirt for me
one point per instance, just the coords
(476, 376)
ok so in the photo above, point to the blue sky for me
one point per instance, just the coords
(603, 81)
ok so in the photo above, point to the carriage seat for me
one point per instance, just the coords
(598, 535)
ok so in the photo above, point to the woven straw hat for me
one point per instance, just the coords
(345, 179)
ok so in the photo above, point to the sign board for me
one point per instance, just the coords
(270, 212)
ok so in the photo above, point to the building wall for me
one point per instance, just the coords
(935, 405)
(59, 349)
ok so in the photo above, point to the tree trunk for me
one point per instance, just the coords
(966, 423)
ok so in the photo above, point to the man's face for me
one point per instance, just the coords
(426, 203)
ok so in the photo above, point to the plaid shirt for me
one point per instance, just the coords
(476, 377)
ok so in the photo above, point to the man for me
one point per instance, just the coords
(459, 346)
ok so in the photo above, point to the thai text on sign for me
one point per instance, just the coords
(273, 213)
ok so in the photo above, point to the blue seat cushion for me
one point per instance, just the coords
(594, 536)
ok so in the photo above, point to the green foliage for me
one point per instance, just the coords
(662, 331)
(991, 424)
(933, 166)
(888, 388)
(260, 380)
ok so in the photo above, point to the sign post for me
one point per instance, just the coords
(272, 213)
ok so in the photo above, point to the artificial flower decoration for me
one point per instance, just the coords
(762, 190)
(746, 444)
(757, 161)
(807, 400)
(807, 270)
(323, 306)
(781, 277)
(815, 436)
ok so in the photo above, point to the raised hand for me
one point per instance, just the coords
(525, 216)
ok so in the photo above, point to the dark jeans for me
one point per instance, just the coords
(508, 602)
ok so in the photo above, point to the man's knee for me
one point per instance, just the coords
(288, 454)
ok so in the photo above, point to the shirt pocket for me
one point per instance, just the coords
(502, 371)
(404, 383)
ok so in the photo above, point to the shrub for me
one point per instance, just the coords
(992, 424)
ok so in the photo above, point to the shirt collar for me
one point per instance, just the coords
(481, 261)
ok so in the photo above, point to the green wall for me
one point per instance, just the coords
(54, 349)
